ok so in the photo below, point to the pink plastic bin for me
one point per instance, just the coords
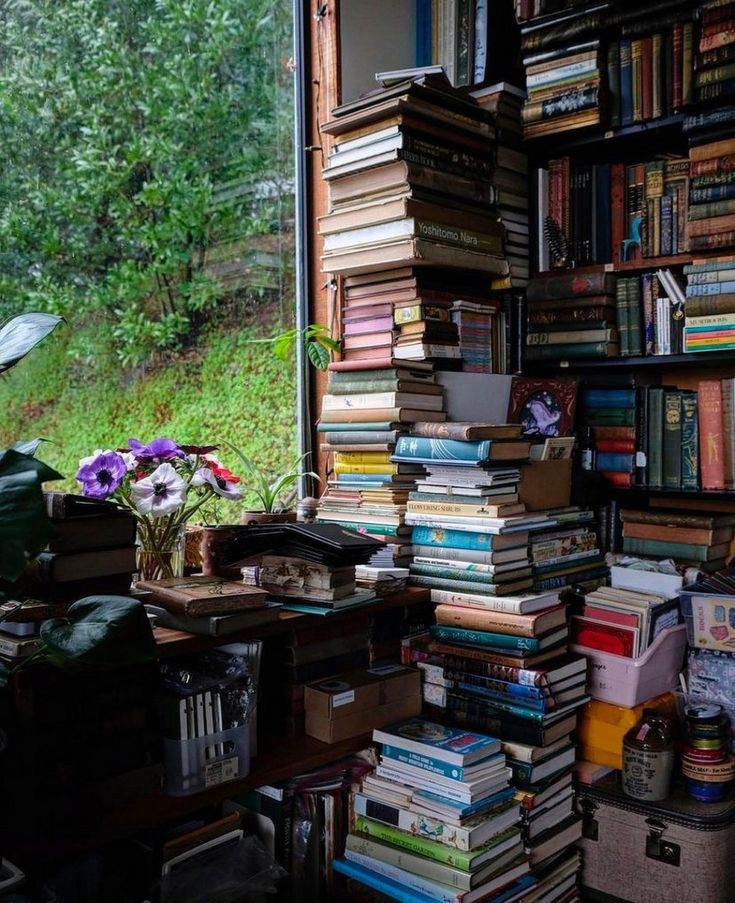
(629, 682)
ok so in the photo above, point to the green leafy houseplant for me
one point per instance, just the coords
(274, 493)
(316, 339)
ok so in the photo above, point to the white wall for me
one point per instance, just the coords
(376, 35)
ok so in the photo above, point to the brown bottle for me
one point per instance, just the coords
(648, 758)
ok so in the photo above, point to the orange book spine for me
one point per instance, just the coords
(493, 621)
(711, 439)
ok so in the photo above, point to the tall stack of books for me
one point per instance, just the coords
(711, 220)
(561, 55)
(715, 78)
(437, 819)
(470, 531)
(410, 182)
(611, 415)
(568, 553)
(364, 413)
(505, 103)
(697, 541)
(508, 672)
(710, 303)
(572, 316)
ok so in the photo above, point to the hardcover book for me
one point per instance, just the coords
(203, 595)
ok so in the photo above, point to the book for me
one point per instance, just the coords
(70, 567)
(447, 744)
(466, 431)
(214, 625)
(499, 641)
(462, 453)
(531, 625)
(86, 532)
(193, 596)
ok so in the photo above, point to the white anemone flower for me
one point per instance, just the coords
(162, 493)
(228, 490)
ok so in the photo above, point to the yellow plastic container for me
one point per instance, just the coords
(602, 726)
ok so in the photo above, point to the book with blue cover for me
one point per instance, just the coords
(449, 744)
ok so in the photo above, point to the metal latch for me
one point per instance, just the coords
(658, 848)
(590, 827)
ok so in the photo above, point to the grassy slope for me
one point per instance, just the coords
(231, 390)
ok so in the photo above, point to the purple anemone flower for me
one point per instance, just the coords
(221, 486)
(162, 493)
(157, 451)
(101, 476)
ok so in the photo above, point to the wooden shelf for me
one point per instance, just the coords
(637, 132)
(725, 495)
(176, 642)
(703, 359)
(284, 758)
(628, 266)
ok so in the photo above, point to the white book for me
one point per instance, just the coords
(516, 555)
(416, 400)
(507, 604)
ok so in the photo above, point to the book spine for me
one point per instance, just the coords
(563, 352)
(689, 441)
(419, 447)
(476, 715)
(613, 83)
(635, 546)
(363, 853)
(405, 820)
(566, 287)
(413, 843)
(472, 619)
(712, 450)
(522, 677)
(641, 437)
(672, 441)
(452, 574)
(455, 539)
(655, 438)
(483, 638)
(427, 763)
(626, 82)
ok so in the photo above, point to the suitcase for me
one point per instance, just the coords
(676, 850)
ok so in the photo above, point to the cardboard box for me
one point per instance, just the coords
(343, 694)
(348, 705)
(546, 484)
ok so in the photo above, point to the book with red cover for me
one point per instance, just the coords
(574, 285)
(611, 616)
(617, 209)
(711, 439)
(612, 638)
(369, 325)
(623, 480)
(622, 446)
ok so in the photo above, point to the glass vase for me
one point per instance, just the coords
(160, 552)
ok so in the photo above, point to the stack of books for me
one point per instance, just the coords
(715, 78)
(505, 102)
(701, 541)
(21, 626)
(477, 334)
(711, 220)
(710, 301)
(92, 550)
(527, 691)
(364, 413)
(470, 531)
(623, 622)
(572, 316)
(410, 182)
(567, 553)
(437, 819)
(561, 56)
(611, 415)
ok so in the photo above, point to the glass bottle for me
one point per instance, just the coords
(648, 757)
(587, 449)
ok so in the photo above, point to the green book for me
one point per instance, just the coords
(325, 426)
(432, 849)
(610, 417)
(466, 637)
(655, 437)
(663, 549)
(672, 440)
(689, 441)
(621, 298)
(562, 352)
(635, 316)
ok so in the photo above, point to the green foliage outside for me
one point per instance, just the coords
(146, 196)
(144, 144)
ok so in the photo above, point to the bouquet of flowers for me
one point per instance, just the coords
(163, 484)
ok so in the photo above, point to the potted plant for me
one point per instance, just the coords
(276, 494)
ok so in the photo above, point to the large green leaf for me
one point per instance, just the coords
(100, 632)
(24, 526)
(21, 334)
